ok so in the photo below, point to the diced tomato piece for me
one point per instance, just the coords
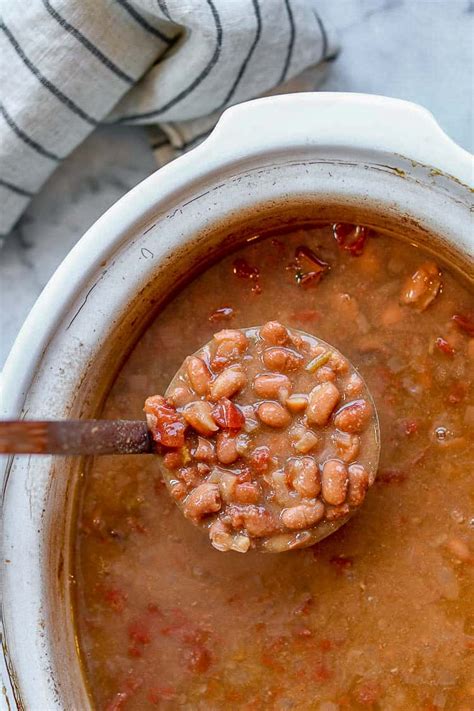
(134, 651)
(410, 427)
(309, 267)
(391, 476)
(167, 426)
(444, 346)
(342, 562)
(115, 599)
(305, 255)
(465, 323)
(225, 313)
(323, 673)
(259, 459)
(138, 632)
(199, 659)
(227, 415)
(153, 609)
(178, 621)
(351, 238)
(173, 460)
(244, 475)
(305, 605)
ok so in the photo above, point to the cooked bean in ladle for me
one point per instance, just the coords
(269, 438)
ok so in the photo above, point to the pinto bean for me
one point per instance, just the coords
(232, 335)
(358, 484)
(303, 474)
(334, 482)
(180, 396)
(231, 344)
(334, 513)
(226, 448)
(189, 476)
(274, 333)
(198, 375)
(273, 414)
(347, 445)
(257, 521)
(354, 385)
(325, 374)
(353, 417)
(205, 499)
(321, 402)
(302, 515)
(228, 383)
(219, 536)
(198, 414)
(247, 493)
(297, 403)
(422, 287)
(240, 543)
(259, 459)
(223, 540)
(282, 359)
(338, 363)
(269, 385)
(204, 451)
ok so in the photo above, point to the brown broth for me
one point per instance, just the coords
(379, 615)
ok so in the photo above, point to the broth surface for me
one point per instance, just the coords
(381, 614)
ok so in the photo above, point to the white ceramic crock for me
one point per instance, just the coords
(377, 160)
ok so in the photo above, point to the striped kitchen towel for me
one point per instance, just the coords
(68, 66)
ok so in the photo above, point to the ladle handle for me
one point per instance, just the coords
(69, 437)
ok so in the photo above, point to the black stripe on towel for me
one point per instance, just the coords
(242, 69)
(324, 37)
(164, 9)
(195, 83)
(195, 139)
(16, 189)
(291, 43)
(25, 138)
(46, 83)
(144, 23)
(95, 51)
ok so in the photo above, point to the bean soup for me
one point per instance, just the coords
(379, 615)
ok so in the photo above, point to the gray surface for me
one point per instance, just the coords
(421, 50)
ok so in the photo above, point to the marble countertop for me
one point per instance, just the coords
(420, 50)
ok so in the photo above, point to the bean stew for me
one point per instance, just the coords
(270, 438)
(379, 615)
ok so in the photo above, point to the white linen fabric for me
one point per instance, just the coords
(68, 66)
